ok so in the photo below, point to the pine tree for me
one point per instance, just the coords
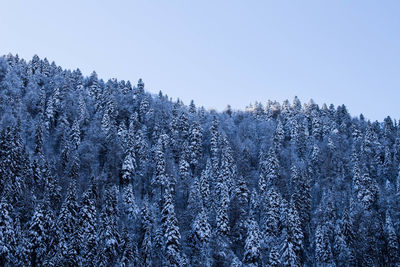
(269, 171)
(323, 253)
(222, 219)
(316, 127)
(125, 137)
(205, 187)
(174, 125)
(227, 168)
(293, 237)
(141, 148)
(368, 191)
(130, 207)
(106, 123)
(274, 257)
(272, 204)
(263, 180)
(288, 254)
(341, 249)
(160, 177)
(68, 234)
(201, 234)
(129, 254)
(147, 241)
(171, 231)
(8, 241)
(195, 145)
(398, 180)
(109, 235)
(128, 168)
(51, 187)
(184, 166)
(76, 135)
(88, 229)
(252, 246)
(202, 228)
(192, 107)
(83, 111)
(347, 229)
(39, 138)
(214, 147)
(12, 165)
(39, 238)
(392, 242)
(301, 196)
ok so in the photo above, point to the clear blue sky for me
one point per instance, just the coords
(223, 52)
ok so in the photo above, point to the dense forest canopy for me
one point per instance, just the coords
(102, 173)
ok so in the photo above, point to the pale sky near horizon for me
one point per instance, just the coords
(223, 52)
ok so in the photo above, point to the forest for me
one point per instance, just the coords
(103, 173)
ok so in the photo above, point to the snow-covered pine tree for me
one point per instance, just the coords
(252, 248)
(128, 167)
(201, 234)
(129, 253)
(195, 145)
(214, 147)
(109, 236)
(146, 250)
(271, 218)
(292, 237)
(323, 253)
(392, 242)
(88, 229)
(8, 240)
(170, 227)
(269, 171)
(38, 243)
(130, 207)
(68, 226)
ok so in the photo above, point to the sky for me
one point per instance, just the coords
(223, 52)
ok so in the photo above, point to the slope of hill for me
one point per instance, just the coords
(102, 173)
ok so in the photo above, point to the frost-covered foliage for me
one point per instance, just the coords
(101, 173)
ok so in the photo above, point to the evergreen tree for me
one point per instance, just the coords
(39, 138)
(39, 241)
(274, 257)
(205, 187)
(68, 221)
(88, 229)
(171, 231)
(293, 237)
(252, 246)
(147, 230)
(201, 234)
(342, 252)
(130, 207)
(392, 242)
(214, 146)
(8, 240)
(128, 168)
(271, 218)
(160, 177)
(323, 251)
(195, 146)
(269, 171)
(76, 135)
(222, 219)
(129, 254)
(109, 236)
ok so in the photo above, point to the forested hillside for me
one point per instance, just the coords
(102, 173)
